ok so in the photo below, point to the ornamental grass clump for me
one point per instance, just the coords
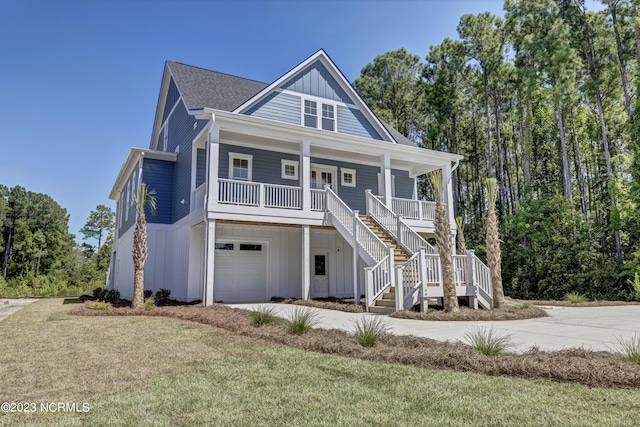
(488, 341)
(367, 330)
(628, 349)
(575, 298)
(302, 319)
(101, 305)
(263, 315)
(149, 304)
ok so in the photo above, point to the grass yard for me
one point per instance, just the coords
(139, 370)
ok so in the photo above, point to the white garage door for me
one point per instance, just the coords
(240, 272)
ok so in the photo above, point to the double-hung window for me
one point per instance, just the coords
(321, 116)
(328, 118)
(240, 166)
(310, 114)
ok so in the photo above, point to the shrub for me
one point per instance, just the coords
(149, 304)
(148, 293)
(99, 292)
(628, 349)
(367, 330)
(162, 296)
(112, 295)
(636, 287)
(575, 298)
(101, 305)
(523, 306)
(302, 319)
(263, 315)
(489, 342)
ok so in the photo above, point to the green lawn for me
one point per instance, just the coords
(192, 374)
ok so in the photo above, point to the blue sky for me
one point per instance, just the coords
(81, 78)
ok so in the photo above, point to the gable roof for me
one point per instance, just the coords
(202, 88)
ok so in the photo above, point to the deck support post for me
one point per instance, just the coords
(399, 287)
(356, 255)
(305, 174)
(306, 262)
(386, 179)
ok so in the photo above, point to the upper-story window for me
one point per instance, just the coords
(289, 169)
(326, 121)
(240, 166)
(310, 114)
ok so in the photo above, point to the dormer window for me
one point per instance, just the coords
(327, 119)
(310, 114)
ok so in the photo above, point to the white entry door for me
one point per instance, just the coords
(321, 177)
(320, 287)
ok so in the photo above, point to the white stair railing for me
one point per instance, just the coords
(378, 279)
(395, 226)
(480, 277)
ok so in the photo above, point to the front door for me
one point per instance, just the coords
(320, 275)
(321, 177)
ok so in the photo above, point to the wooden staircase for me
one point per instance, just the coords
(386, 303)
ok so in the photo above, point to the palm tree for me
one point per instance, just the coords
(461, 243)
(493, 245)
(443, 241)
(144, 198)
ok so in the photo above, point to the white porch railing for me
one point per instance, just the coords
(378, 279)
(317, 200)
(414, 209)
(282, 196)
(238, 192)
(460, 270)
(480, 277)
(198, 197)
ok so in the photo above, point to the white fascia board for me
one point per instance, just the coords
(135, 154)
(269, 128)
(335, 72)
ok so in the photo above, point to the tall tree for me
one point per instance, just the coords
(100, 222)
(493, 245)
(390, 87)
(144, 199)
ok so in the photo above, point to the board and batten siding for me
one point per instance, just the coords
(158, 175)
(183, 128)
(172, 97)
(340, 256)
(266, 165)
(316, 80)
(352, 122)
(282, 107)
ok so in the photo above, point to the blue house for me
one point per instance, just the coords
(289, 189)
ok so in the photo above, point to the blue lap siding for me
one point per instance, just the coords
(267, 165)
(404, 184)
(158, 175)
(282, 107)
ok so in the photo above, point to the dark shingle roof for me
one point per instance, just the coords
(202, 88)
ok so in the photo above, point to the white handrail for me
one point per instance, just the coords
(414, 209)
(282, 196)
(460, 269)
(317, 199)
(378, 279)
(396, 227)
(238, 192)
(482, 277)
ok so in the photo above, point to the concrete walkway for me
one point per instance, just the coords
(10, 306)
(595, 328)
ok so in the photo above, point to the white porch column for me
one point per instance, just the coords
(385, 170)
(356, 256)
(306, 262)
(213, 150)
(447, 187)
(209, 259)
(305, 171)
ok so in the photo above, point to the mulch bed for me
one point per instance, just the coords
(339, 304)
(578, 304)
(593, 369)
(467, 314)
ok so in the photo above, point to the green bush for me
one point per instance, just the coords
(488, 341)
(101, 305)
(99, 292)
(263, 315)
(302, 319)
(628, 349)
(575, 298)
(148, 293)
(368, 329)
(112, 295)
(149, 304)
(162, 296)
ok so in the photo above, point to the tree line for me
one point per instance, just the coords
(544, 99)
(38, 255)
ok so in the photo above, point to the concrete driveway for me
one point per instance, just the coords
(595, 328)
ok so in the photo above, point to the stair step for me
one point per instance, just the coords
(389, 296)
(381, 310)
(385, 303)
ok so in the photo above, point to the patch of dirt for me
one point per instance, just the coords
(467, 314)
(593, 369)
(331, 303)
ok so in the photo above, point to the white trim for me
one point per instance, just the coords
(295, 165)
(126, 211)
(241, 156)
(130, 164)
(344, 183)
(319, 168)
(165, 134)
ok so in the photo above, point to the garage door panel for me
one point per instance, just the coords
(240, 275)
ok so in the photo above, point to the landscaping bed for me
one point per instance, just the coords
(594, 369)
(338, 304)
(518, 312)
